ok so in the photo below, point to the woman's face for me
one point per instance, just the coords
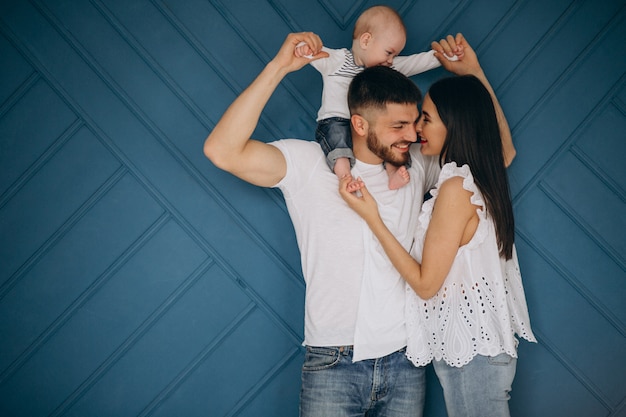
(430, 129)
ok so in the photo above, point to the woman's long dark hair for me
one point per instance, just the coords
(473, 138)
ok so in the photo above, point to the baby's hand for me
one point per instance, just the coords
(458, 54)
(354, 185)
(303, 50)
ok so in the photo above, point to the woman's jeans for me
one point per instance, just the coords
(480, 388)
(334, 386)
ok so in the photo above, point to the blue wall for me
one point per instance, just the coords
(137, 279)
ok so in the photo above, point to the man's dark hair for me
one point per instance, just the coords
(377, 86)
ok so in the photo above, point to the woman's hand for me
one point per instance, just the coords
(458, 46)
(358, 198)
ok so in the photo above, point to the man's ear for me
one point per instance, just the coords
(359, 124)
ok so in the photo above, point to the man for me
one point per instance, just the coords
(354, 309)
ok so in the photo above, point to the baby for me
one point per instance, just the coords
(379, 36)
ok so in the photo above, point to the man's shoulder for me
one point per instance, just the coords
(296, 144)
(298, 149)
(305, 160)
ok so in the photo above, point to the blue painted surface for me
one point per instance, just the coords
(137, 279)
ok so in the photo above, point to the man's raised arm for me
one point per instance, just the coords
(229, 145)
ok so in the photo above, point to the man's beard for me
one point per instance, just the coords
(385, 153)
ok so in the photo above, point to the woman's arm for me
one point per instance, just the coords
(453, 223)
(466, 64)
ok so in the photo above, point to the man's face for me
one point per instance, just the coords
(392, 132)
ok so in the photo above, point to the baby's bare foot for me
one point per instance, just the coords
(398, 178)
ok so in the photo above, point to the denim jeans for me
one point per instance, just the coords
(480, 388)
(335, 137)
(334, 386)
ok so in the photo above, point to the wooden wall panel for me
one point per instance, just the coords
(136, 279)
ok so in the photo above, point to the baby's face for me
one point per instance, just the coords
(383, 47)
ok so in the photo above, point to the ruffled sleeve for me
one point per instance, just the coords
(450, 170)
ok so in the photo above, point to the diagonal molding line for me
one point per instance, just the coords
(445, 26)
(171, 148)
(197, 361)
(277, 197)
(567, 143)
(39, 163)
(503, 22)
(565, 75)
(255, 297)
(156, 68)
(21, 91)
(234, 87)
(408, 4)
(620, 105)
(350, 18)
(204, 53)
(574, 282)
(583, 225)
(211, 61)
(268, 377)
(71, 221)
(132, 339)
(620, 409)
(285, 16)
(598, 172)
(167, 206)
(221, 72)
(256, 49)
(185, 99)
(571, 367)
(556, 86)
(342, 21)
(153, 191)
(85, 296)
(538, 47)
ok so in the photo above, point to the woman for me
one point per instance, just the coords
(467, 302)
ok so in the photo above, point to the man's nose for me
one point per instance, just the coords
(411, 135)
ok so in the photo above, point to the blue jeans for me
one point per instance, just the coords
(480, 388)
(335, 138)
(334, 386)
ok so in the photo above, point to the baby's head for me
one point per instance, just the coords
(379, 36)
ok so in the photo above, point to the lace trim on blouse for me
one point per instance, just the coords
(481, 304)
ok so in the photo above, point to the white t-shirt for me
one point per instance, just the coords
(354, 295)
(339, 68)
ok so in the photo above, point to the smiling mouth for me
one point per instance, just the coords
(403, 147)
